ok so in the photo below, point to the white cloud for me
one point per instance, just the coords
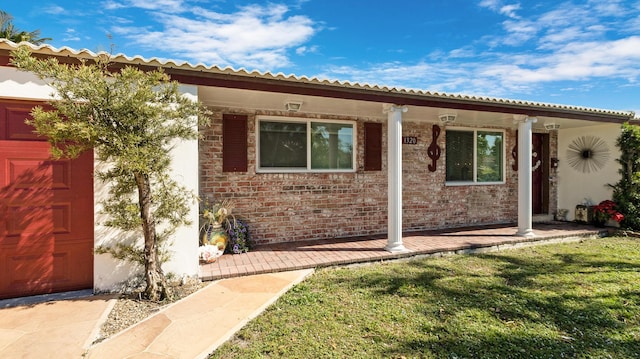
(112, 5)
(559, 37)
(71, 35)
(422, 75)
(464, 52)
(608, 7)
(503, 74)
(566, 22)
(255, 36)
(574, 43)
(518, 32)
(490, 4)
(575, 62)
(565, 15)
(510, 10)
(303, 50)
(164, 5)
(568, 43)
(53, 10)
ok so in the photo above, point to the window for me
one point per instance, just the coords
(305, 145)
(475, 156)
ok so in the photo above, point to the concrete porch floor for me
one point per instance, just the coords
(325, 253)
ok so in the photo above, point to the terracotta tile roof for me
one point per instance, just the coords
(194, 69)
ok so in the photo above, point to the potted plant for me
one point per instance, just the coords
(239, 240)
(214, 237)
(604, 211)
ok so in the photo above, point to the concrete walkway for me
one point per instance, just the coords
(56, 329)
(197, 325)
(244, 286)
(190, 328)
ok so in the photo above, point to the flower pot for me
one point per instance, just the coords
(239, 241)
(215, 236)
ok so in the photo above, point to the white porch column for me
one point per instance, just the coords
(394, 166)
(525, 210)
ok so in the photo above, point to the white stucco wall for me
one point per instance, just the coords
(576, 187)
(185, 170)
(109, 273)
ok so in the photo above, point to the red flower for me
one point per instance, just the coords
(607, 210)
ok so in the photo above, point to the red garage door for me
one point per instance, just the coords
(46, 211)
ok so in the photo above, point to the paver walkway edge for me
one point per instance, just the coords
(196, 325)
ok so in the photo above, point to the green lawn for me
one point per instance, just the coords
(573, 300)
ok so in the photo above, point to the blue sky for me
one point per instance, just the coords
(583, 53)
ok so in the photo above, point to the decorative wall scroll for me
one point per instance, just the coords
(538, 161)
(588, 154)
(514, 154)
(434, 151)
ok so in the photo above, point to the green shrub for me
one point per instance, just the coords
(626, 193)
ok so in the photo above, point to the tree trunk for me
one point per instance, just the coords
(157, 288)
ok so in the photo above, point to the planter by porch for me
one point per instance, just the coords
(584, 213)
(215, 235)
(213, 243)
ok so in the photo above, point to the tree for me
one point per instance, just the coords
(626, 193)
(131, 119)
(8, 31)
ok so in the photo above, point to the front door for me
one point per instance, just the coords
(540, 173)
(46, 212)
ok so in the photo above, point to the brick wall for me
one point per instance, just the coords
(283, 207)
(429, 204)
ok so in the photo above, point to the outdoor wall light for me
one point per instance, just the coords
(293, 106)
(551, 126)
(447, 118)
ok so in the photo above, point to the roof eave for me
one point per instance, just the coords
(388, 96)
(240, 79)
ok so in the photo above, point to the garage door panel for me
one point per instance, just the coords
(14, 127)
(31, 221)
(22, 271)
(25, 173)
(54, 270)
(26, 221)
(61, 218)
(46, 212)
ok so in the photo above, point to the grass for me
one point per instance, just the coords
(572, 300)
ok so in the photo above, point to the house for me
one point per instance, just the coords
(302, 158)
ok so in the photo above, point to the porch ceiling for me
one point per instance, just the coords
(260, 100)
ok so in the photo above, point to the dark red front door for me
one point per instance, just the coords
(540, 173)
(46, 206)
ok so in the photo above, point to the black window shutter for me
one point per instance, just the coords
(372, 146)
(234, 143)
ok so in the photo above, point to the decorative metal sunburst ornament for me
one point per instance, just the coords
(588, 154)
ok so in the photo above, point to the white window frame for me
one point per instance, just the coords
(475, 157)
(308, 122)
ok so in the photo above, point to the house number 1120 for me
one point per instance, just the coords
(409, 140)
